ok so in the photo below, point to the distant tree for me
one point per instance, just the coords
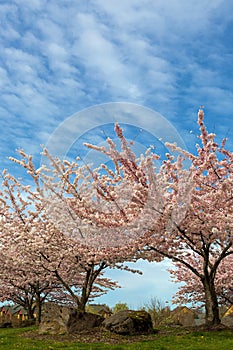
(158, 311)
(120, 307)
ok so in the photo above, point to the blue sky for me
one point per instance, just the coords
(61, 57)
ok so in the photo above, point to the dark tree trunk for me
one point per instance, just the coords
(28, 305)
(30, 313)
(211, 303)
(38, 309)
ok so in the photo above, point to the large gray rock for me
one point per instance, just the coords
(62, 320)
(79, 322)
(227, 321)
(183, 316)
(129, 322)
(54, 319)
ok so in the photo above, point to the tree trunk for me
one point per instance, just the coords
(84, 295)
(211, 303)
(30, 313)
(28, 305)
(38, 308)
(81, 308)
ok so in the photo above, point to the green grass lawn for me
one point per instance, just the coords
(13, 339)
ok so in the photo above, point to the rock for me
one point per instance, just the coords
(25, 323)
(129, 322)
(57, 319)
(6, 325)
(183, 316)
(227, 321)
(54, 319)
(83, 321)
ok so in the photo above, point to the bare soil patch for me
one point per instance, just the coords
(101, 335)
(94, 335)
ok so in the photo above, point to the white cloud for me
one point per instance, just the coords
(58, 58)
(138, 290)
(102, 58)
(31, 4)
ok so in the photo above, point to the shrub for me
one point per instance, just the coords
(120, 307)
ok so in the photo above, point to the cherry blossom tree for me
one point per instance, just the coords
(194, 228)
(42, 225)
(78, 269)
(185, 211)
(23, 281)
(30, 295)
(224, 281)
(191, 289)
(130, 209)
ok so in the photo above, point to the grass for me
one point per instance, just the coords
(16, 339)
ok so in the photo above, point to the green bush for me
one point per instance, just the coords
(120, 307)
